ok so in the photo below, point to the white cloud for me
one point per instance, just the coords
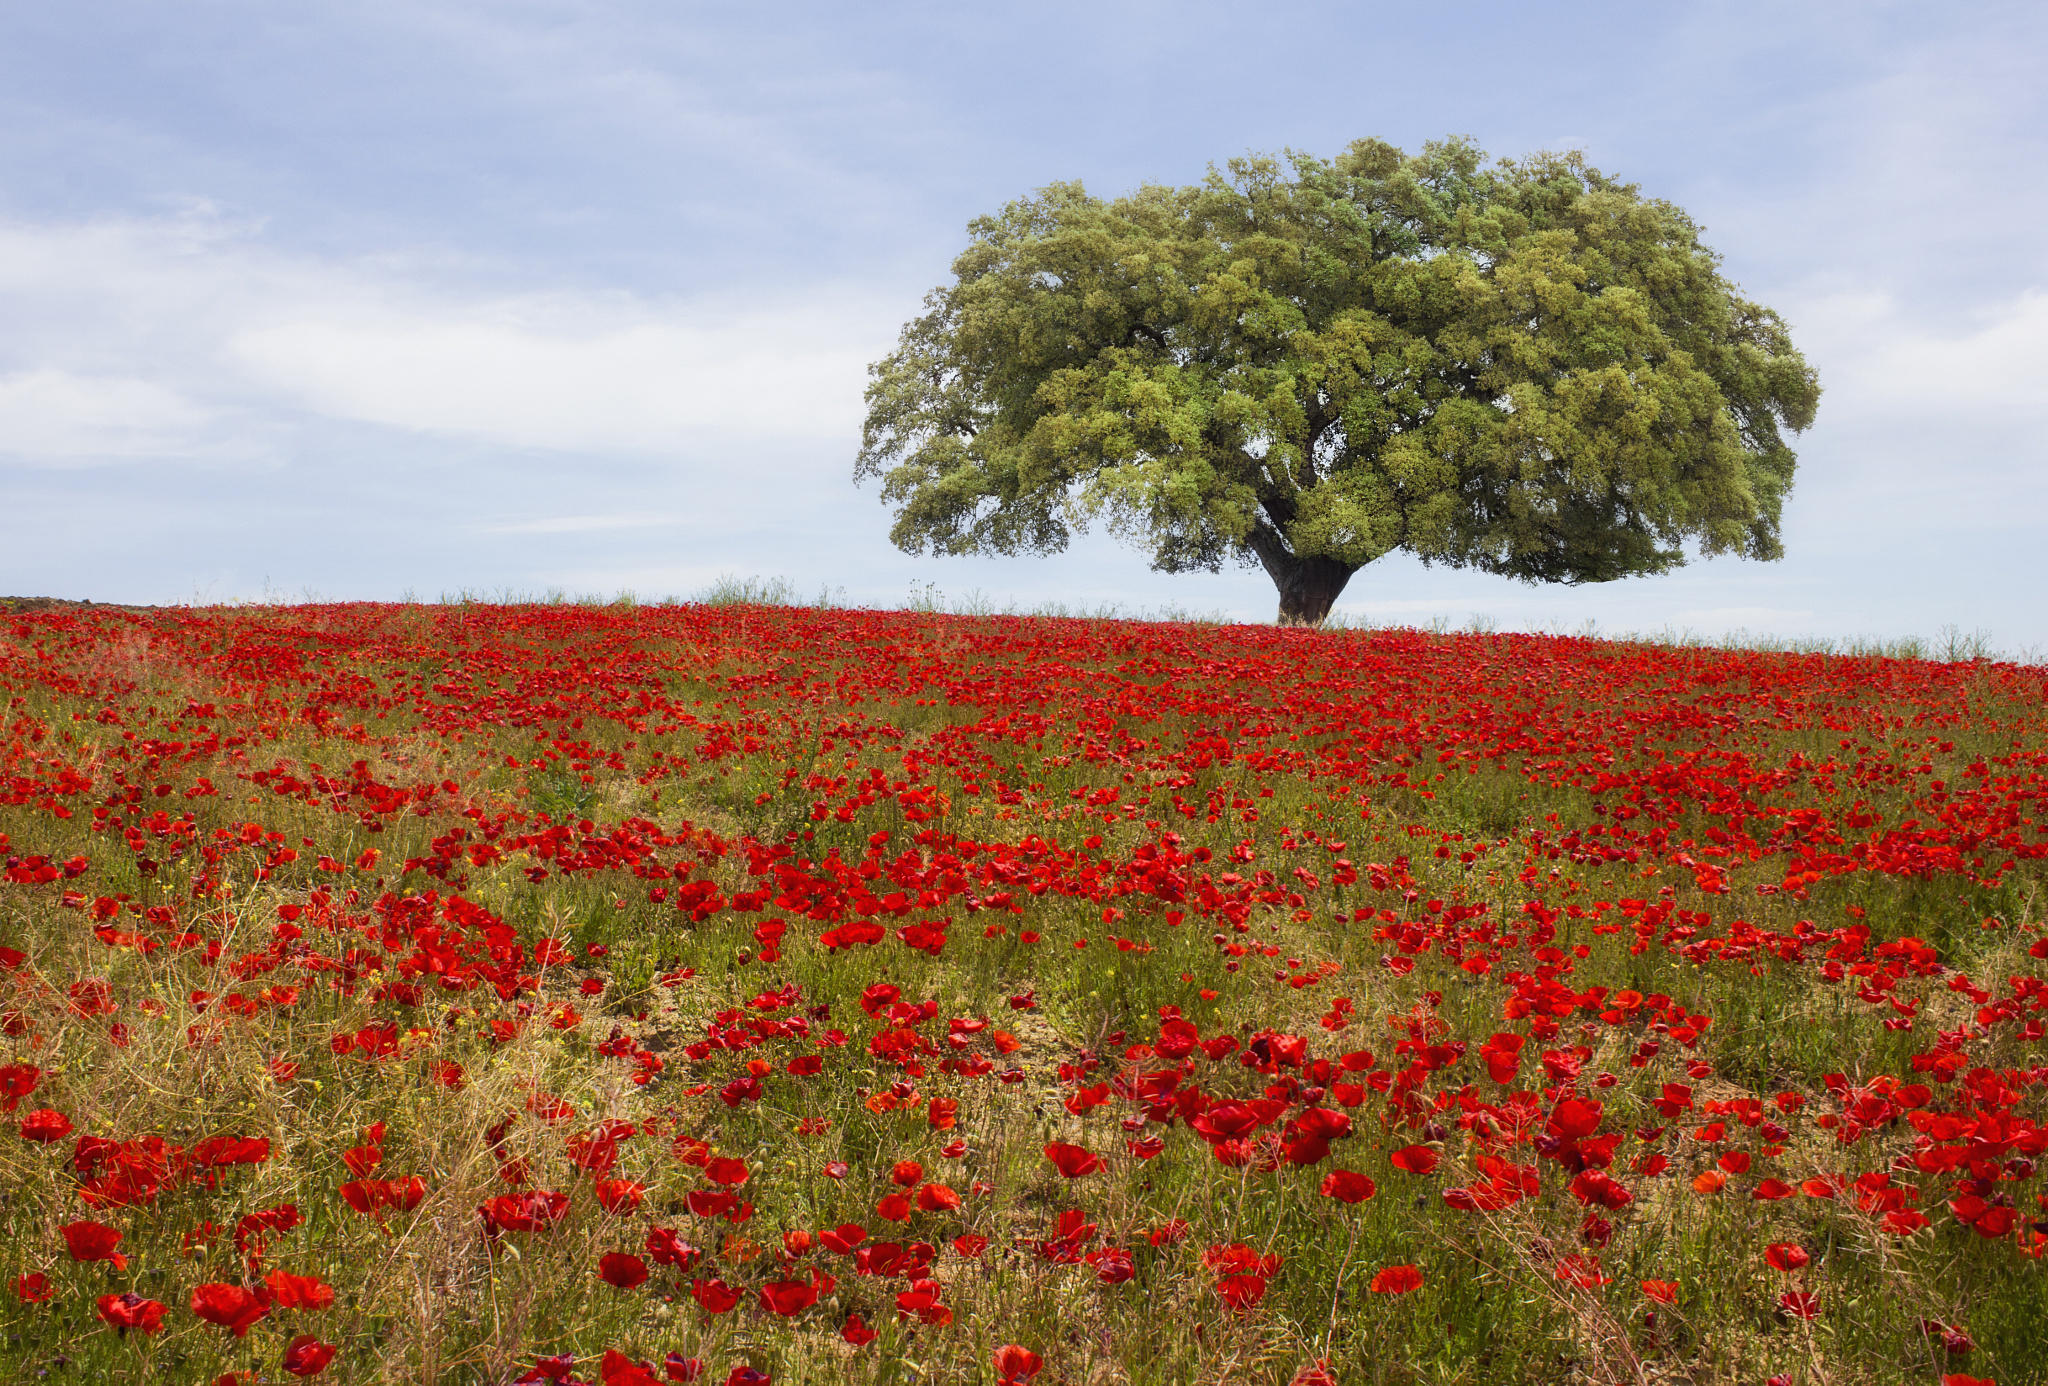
(502, 374)
(185, 334)
(1875, 361)
(59, 418)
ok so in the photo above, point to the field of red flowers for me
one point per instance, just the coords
(735, 994)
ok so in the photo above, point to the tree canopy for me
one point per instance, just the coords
(1524, 367)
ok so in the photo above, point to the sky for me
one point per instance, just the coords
(373, 300)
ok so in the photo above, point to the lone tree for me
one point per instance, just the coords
(1526, 368)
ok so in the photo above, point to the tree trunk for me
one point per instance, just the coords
(1308, 586)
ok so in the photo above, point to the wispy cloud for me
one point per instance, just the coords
(181, 335)
(57, 418)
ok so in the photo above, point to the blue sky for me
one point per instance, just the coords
(362, 299)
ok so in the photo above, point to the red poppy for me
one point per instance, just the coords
(532, 1211)
(788, 1298)
(970, 1244)
(905, 1173)
(937, 1198)
(1799, 1304)
(710, 1203)
(1397, 1280)
(715, 1296)
(92, 1241)
(1663, 1291)
(132, 1311)
(1241, 1292)
(290, 1291)
(617, 1369)
(1786, 1256)
(1014, 1363)
(668, 1249)
(369, 1195)
(856, 1331)
(1235, 1258)
(621, 1270)
(306, 1355)
(234, 1307)
(843, 1238)
(17, 1080)
(32, 1287)
(45, 1126)
(1348, 1186)
(619, 1196)
(727, 1171)
(1073, 1161)
(1415, 1159)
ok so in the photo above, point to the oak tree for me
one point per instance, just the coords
(1524, 367)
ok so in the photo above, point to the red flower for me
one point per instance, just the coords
(92, 1241)
(937, 1198)
(234, 1307)
(729, 1172)
(1348, 1186)
(1015, 1364)
(32, 1288)
(1397, 1280)
(668, 1249)
(709, 1203)
(1415, 1159)
(45, 1126)
(299, 1291)
(306, 1355)
(621, 1270)
(905, 1173)
(132, 1311)
(843, 1238)
(715, 1296)
(617, 1369)
(1235, 1258)
(1663, 1291)
(1799, 1304)
(532, 1211)
(1786, 1256)
(1241, 1292)
(1072, 1160)
(619, 1196)
(788, 1298)
(856, 1331)
(368, 1195)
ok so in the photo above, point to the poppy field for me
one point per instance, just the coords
(735, 994)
